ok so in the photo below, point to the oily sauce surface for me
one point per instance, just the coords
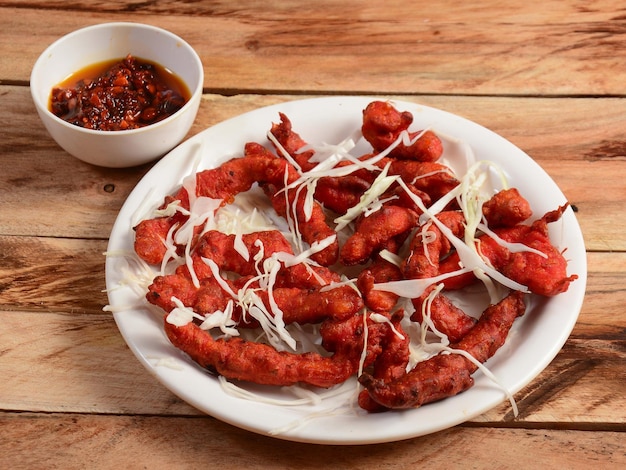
(120, 94)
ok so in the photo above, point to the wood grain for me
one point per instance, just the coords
(549, 77)
(138, 442)
(52, 274)
(361, 46)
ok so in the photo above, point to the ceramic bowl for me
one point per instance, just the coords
(99, 43)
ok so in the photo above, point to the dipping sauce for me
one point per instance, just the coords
(120, 94)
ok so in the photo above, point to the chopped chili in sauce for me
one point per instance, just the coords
(118, 95)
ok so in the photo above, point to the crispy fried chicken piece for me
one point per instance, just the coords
(180, 286)
(150, 236)
(378, 272)
(220, 248)
(506, 208)
(313, 306)
(292, 143)
(347, 337)
(224, 182)
(433, 178)
(402, 198)
(424, 261)
(446, 317)
(298, 304)
(450, 264)
(238, 359)
(543, 275)
(428, 246)
(313, 229)
(382, 125)
(341, 193)
(254, 148)
(306, 276)
(445, 375)
(239, 174)
(374, 231)
(391, 363)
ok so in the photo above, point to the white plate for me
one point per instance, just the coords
(533, 342)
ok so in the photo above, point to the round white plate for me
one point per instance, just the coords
(533, 342)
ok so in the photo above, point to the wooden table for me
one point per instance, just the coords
(548, 76)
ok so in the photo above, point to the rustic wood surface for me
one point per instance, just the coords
(549, 76)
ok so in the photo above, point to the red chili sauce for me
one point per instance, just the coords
(118, 95)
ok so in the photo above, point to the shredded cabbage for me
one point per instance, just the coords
(378, 187)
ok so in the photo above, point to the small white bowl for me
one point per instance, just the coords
(81, 48)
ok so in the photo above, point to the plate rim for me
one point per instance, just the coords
(163, 375)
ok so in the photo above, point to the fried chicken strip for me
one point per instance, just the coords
(446, 317)
(374, 231)
(506, 208)
(238, 359)
(382, 125)
(391, 363)
(379, 271)
(445, 375)
(544, 275)
(291, 142)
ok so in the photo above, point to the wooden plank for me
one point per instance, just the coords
(76, 363)
(52, 274)
(605, 297)
(52, 359)
(354, 46)
(505, 11)
(132, 442)
(582, 388)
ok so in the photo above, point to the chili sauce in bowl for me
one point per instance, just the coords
(119, 94)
